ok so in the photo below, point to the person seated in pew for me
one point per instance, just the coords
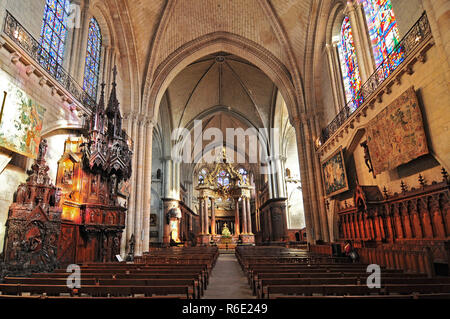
(350, 252)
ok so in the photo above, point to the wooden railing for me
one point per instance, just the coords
(41, 57)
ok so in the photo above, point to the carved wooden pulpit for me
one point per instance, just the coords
(89, 173)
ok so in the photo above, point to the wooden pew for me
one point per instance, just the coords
(193, 284)
(97, 290)
(360, 290)
(261, 283)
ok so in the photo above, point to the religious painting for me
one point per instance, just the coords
(21, 122)
(396, 135)
(67, 173)
(124, 188)
(334, 174)
(152, 219)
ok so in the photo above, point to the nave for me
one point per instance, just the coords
(252, 272)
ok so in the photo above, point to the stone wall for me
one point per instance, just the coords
(428, 79)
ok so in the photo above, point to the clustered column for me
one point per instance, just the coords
(249, 215)
(138, 215)
(244, 216)
(236, 218)
(205, 202)
(200, 213)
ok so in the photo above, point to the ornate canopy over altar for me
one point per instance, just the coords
(225, 183)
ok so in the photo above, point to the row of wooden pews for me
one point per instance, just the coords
(187, 278)
(277, 272)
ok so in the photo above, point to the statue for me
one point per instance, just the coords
(43, 146)
(130, 256)
(225, 231)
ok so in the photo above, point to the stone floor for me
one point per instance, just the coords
(227, 280)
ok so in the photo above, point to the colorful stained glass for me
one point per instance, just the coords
(384, 34)
(53, 34)
(92, 63)
(349, 66)
(243, 173)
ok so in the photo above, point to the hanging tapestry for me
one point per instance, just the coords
(396, 135)
(21, 122)
(334, 174)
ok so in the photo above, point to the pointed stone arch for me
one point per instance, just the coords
(216, 42)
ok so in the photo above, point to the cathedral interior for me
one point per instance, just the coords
(172, 148)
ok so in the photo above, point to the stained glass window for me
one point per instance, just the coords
(202, 176)
(383, 33)
(349, 66)
(92, 66)
(243, 173)
(223, 178)
(53, 34)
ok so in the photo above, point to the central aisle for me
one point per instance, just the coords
(227, 280)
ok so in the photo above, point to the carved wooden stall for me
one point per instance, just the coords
(413, 220)
(33, 224)
(89, 173)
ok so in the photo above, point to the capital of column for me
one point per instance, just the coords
(278, 158)
(140, 119)
(129, 116)
(300, 119)
(350, 7)
(149, 121)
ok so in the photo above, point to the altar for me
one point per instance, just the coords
(224, 194)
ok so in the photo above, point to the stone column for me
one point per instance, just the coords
(168, 177)
(75, 49)
(139, 188)
(367, 44)
(213, 217)
(236, 217)
(104, 62)
(270, 179)
(310, 235)
(358, 41)
(132, 129)
(80, 53)
(109, 67)
(203, 238)
(200, 215)
(249, 216)
(319, 189)
(438, 12)
(244, 216)
(334, 77)
(311, 187)
(337, 70)
(189, 192)
(147, 185)
(206, 215)
(128, 123)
